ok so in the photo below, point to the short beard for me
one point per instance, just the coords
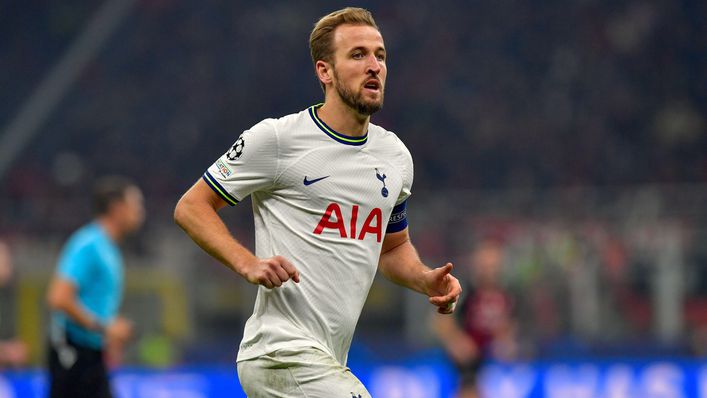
(354, 101)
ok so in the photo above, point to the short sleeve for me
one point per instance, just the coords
(398, 217)
(75, 264)
(407, 174)
(250, 165)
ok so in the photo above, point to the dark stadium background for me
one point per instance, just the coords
(574, 132)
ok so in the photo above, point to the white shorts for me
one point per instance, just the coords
(306, 373)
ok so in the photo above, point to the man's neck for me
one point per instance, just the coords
(110, 227)
(339, 116)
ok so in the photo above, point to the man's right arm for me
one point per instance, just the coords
(456, 342)
(196, 213)
(62, 296)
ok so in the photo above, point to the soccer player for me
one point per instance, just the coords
(86, 291)
(485, 329)
(329, 192)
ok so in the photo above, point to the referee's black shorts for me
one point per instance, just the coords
(76, 371)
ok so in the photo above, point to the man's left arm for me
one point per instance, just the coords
(400, 263)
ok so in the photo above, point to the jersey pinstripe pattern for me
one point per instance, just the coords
(329, 228)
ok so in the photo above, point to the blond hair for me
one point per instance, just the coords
(321, 38)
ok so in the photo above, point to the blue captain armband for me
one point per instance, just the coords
(398, 218)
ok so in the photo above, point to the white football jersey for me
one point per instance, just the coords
(324, 201)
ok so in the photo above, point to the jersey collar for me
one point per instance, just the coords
(344, 139)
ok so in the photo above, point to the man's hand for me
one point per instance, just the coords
(442, 288)
(270, 272)
(117, 334)
(119, 331)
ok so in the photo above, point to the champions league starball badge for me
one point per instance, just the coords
(237, 149)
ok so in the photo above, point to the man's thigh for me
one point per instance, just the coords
(309, 373)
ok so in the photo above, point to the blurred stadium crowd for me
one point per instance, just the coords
(574, 132)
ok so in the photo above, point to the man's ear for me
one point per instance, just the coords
(324, 72)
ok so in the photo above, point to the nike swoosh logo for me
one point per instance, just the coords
(310, 182)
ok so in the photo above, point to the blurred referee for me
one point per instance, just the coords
(86, 291)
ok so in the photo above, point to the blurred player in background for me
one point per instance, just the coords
(86, 291)
(329, 191)
(484, 327)
(13, 352)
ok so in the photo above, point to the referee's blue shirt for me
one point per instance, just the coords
(92, 262)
